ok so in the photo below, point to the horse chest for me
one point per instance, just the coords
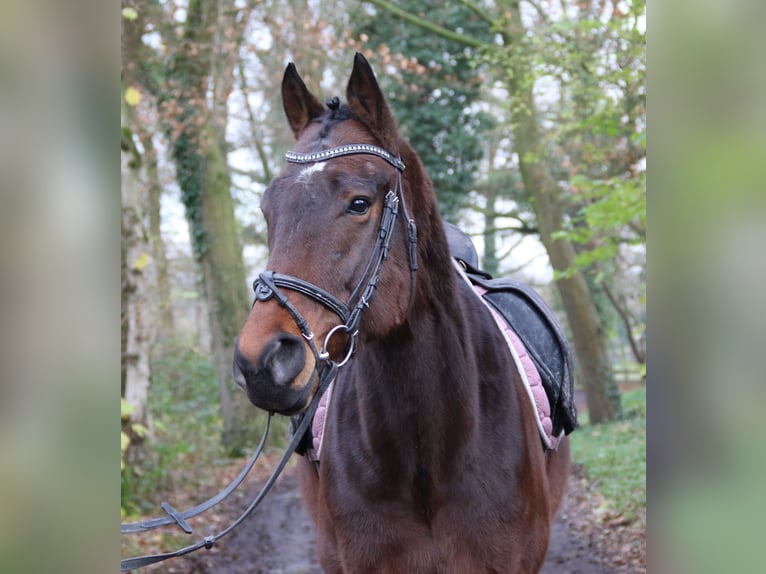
(392, 536)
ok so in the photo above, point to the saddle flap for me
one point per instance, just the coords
(537, 328)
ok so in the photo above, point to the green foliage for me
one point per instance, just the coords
(614, 455)
(599, 129)
(186, 428)
(433, 98)
(129, 13)
(612, 212)
(190, 173)
(184, 448)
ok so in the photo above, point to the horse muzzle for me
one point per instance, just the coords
(272, 381)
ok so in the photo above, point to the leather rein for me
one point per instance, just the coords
(267, 286)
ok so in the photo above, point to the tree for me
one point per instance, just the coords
(512, 59)
(190, 75)
(198, 126)
(433, 87)
(494, 187)
(501, 202)
(137, 279)
(598, 63)
(136, 283)
(164, 322)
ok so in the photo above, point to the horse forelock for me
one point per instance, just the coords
(333, 116)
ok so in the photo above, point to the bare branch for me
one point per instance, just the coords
(254, 175)
(478, 11)
(523, 266)
(524, 229)
(430, 26)
(626, 320)
(510, 248)
(267, 175)
(539, 9)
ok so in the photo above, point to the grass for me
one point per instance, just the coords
(614, 455)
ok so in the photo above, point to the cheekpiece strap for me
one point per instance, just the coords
(295, 157)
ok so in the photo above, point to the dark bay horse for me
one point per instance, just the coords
(431, 460)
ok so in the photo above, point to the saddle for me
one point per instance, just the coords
(523, 310)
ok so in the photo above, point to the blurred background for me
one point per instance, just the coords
(532, 129)
(530, 119)
(485, 91)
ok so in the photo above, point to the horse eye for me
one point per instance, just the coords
(359, 206)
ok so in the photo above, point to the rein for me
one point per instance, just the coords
(325, 378)
(267, 286)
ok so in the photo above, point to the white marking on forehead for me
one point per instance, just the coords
(305, 175)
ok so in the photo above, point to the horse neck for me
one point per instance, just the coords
(425, 393)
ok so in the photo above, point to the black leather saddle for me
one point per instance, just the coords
(534, 323)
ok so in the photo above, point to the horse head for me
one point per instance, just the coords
(339, 232)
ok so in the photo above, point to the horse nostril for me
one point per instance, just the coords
(283, 358)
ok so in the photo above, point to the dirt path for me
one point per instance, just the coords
(279, 539)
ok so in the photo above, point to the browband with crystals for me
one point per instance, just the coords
(295, 157)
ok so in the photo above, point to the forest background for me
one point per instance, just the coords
(529, 117)
(60, 104)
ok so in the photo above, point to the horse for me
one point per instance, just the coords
(430, 460)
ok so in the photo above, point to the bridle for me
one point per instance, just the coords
(268, 283)
(266, 287)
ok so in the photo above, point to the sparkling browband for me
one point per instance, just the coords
(294, 157)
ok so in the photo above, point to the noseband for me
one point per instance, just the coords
(268, 283)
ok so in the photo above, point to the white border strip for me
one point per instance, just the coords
(514, 354)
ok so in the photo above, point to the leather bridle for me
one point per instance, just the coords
(268, 283)
(268, 286)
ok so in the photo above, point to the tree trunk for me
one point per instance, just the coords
(164, 310)
(639, 352)
(224, 281)
(602, 395)
(136, 284)
(219, 255)
(137, 269)
(203, 174)
(491, 263)
(589, 338)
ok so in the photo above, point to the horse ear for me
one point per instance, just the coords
(366, 101)
(300, 105)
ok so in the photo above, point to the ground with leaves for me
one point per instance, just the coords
(600, 528)
(279, 537)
